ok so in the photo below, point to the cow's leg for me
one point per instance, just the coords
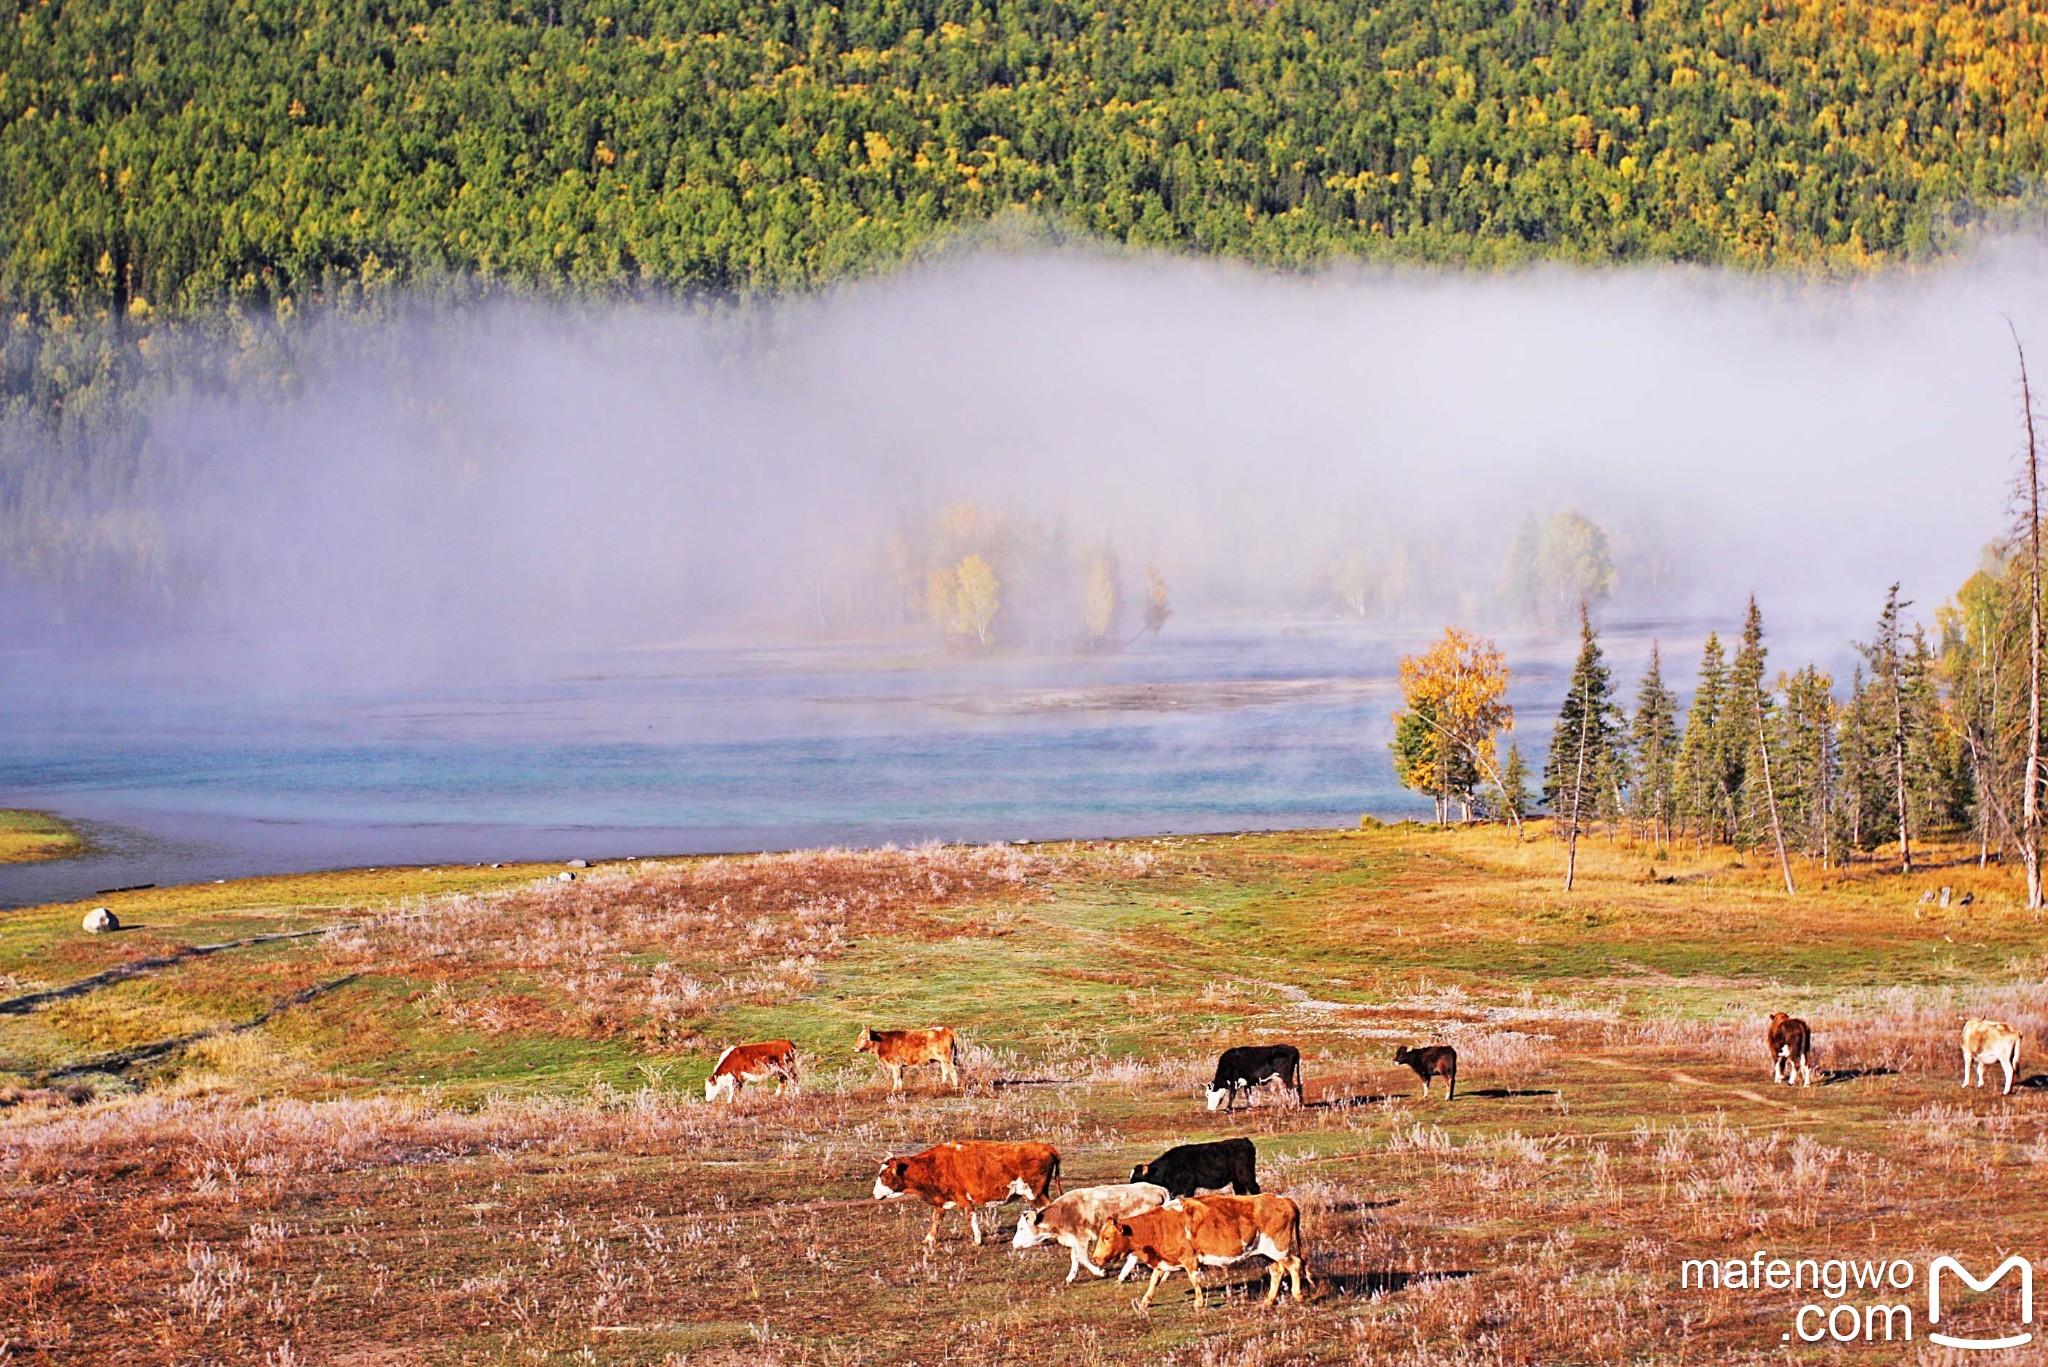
(1152, 1287)
(1805, 1070)
(2007, 1063)
(1966, 1067)
(974, 1222)
(1074, 1264)
(1296, 1269)
(931, 1236)
(1194, 1271)
(1130, 1266)
(895, 1077)
(1454, 1087)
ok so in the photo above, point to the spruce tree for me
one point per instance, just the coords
(1582, 747)
(1700, 780)
(1653, 741)
(1810, 774)
(1514, 785)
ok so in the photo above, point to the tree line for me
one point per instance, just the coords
(1936, 732)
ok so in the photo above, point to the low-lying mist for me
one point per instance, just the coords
(452, 492)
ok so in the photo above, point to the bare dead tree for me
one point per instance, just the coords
(2029, 833)
(1763, 745)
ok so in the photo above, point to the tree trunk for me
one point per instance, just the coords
(1763, 744)
(1571, 848)
(2030, 805)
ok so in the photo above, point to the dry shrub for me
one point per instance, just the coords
(1506, 1058)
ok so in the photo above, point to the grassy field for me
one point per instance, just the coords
(28, 836)
(480, 1139)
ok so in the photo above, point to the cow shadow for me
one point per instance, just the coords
(1366, 1285)
(1830, 1076)
(1000, 1083)
(1346, 1103)
(2032, 1084)
(1353, 1207)
(1507, 1093)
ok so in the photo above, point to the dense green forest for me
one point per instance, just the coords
(172, 156)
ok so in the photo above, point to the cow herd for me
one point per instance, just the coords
(1790, 1041)
(1174, 1215)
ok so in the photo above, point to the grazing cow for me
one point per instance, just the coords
(1431, 1061)
(969, 1175)
(1254, 1065)
(1990, 1042)
(1791, 1044)
(1209, 1231)
(1072, 1221)
(900, 1049)
(1186, 1169)
(744, 1063)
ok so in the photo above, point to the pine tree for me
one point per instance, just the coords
(1653, 741)
(1514, 786)
(1810, 771)
(1583, 744)
(1746, 747)
(1892, 712)
(1700, 778)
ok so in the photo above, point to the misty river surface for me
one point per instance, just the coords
(733, 748)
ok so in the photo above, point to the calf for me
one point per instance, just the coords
(1186, 1169)
(969, 1175)
(1254, 1065)
(1990, 1042)
(1209, 1231)
(744, 1063)
(1791, 1049)
(900, 1049)
(1073, 1220)
(1432, 1061)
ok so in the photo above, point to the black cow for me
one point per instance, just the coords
(1186, 1169)
(1432, 1060)
(1253, 1065)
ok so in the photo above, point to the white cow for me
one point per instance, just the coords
(1990, 1042)
(1072, 1221)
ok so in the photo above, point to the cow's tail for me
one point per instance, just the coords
(1053, 1185)
(1300, 1083)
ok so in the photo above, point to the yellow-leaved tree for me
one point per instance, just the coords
(1102, 599)
(1456, 703)
(977, 597)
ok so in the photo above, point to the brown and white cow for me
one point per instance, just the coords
(900, 1049)
(1073, 1220)
(1987, 1041)
(744, 1063)
(969, 1174)
(1209, 1231)
(1791, 1044)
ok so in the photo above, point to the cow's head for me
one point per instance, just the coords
(727, 1087)
(1778, 1018)
(1408, 1057)
(892, 1181)
(1029, 1235)
(1113, 1240)
(866, 1043)
(1142, 1173)
(1216, 1095)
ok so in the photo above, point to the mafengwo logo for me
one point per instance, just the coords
(1862, 1300)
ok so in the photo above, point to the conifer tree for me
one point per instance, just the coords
(1582, 745)
(1654, 742)
(1746, 746)
(1514, 786)
(1809, 774)
(1890, 698)
(1700, 780)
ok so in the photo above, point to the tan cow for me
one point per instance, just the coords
(900, 1049)
(968, 1175)
(1990, 1042)
(1072, 1221)
(1209, 1231)
(744, 1063)
(1791, 1045)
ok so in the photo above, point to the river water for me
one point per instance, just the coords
(693, 749)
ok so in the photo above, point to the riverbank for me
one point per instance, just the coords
(28, 837)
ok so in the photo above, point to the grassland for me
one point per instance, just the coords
(28, 836)
(483, 1142)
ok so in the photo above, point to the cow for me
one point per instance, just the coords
(1431, 1061)
(1072, 1221)
(1254, 1065)
(968, 1175)
(1186, 1169)
(744, 1063)
(1990, 1042)
(1208, 1231)
(900, 1049)
(1791, 1045)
